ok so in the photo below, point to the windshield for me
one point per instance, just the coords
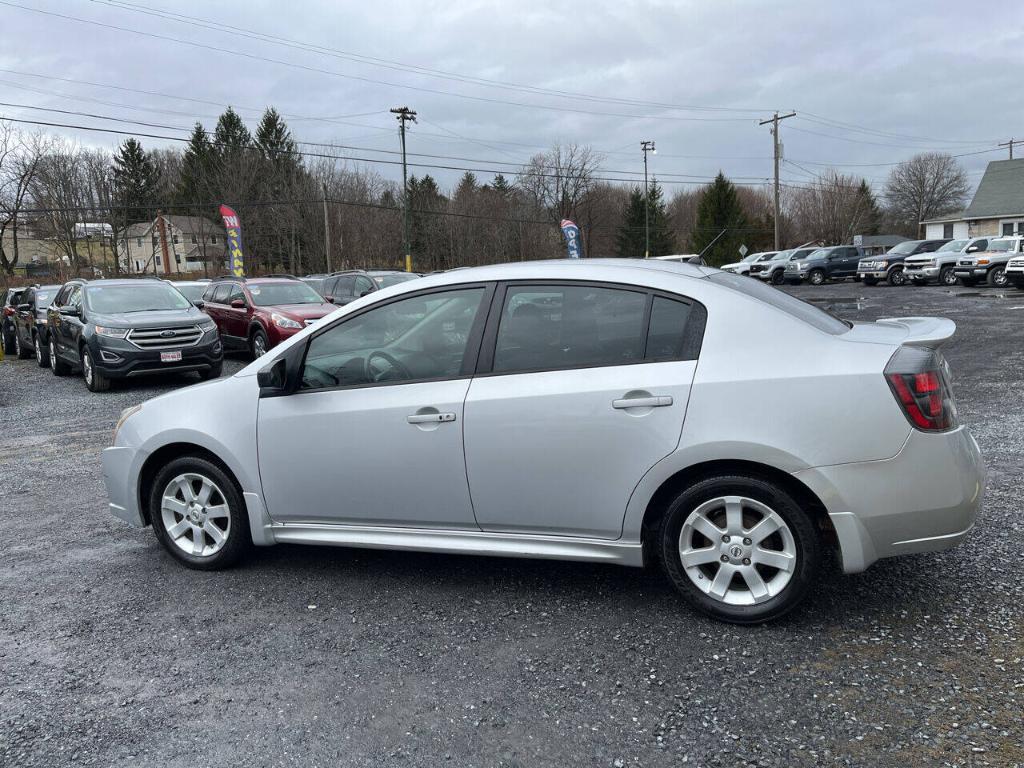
(291, 292)
(1000, 245)
(782, 256)
(191, 292)
(904, 248)
(953, 245)
(821, 253)
(146, 296)
(386, 281)
(45, 295)
(316, 283)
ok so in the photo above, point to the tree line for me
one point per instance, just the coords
(288, 200)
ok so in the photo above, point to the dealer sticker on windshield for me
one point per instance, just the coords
(170, 357)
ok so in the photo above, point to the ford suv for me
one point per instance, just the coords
(889, 266)
(256, 314)
(989, 265)
(940, 264)
(116, 329)
(30, 323)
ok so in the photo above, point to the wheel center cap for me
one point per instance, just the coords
(195, 514)
(735, 550)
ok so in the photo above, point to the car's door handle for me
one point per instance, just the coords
(430, 418)
(655, 401)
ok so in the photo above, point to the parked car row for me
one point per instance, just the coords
(968, 261)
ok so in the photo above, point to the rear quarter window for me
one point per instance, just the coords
(801, 310)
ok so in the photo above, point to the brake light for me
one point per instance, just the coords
(919, 379)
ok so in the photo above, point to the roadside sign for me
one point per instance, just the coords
(743, 250)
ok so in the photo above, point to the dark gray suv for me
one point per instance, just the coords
(115, 329)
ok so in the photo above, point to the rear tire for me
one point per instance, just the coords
(202, 532)
(8, 343)
(58, 366)
(754, 583)
(19, 349)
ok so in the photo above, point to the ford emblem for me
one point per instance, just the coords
(167, 334)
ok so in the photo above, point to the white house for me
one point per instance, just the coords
(181, 244)
(997, 207)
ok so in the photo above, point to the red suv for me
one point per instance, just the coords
(258, 313)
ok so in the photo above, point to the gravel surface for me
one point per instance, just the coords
(111, 654)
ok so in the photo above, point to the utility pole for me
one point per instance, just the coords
(647, 146)
(1010, 144)
(327, 232)
(774, 120)
(403, 115)
(162, 227)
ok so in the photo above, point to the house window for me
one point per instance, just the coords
(1008, 228)
(194, 240)
(138, 242)
(176, 239)
(947, 231)
(213, 239)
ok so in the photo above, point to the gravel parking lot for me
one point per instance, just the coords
(111, 654)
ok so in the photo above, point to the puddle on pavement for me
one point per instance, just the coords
(842, 303)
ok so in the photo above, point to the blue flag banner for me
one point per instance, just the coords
(572, 239)
(236, 259)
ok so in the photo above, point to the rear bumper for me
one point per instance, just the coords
(924, 499)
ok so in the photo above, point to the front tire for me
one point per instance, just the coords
(42, 352)
(58, 366)
(777, 277)
(816, 277)
(94, 380)
(996, 277)
(739, 549)
(213, 373)
(198, 514)
(947, 276)
(259, 344)
(896, 277)
(19, 348)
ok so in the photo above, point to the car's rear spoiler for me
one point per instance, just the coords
(922, 331)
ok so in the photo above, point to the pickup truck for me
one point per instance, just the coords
(834, 263)
(989, 265)
(939, 265)
(889, 266)
(774, 270)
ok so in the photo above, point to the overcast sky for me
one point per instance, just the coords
(905, 77)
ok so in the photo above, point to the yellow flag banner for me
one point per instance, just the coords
(236, 259)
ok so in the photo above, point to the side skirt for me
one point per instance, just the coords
(458, 542)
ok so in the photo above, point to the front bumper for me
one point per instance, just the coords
(979, 272)
(878, 274)
(120, 359)
(924, 499)
(120, 474)
(927, 272)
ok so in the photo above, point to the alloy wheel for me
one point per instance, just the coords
(259, 346)
(39, 351)
(194, 513)
(948, 277)
(999, 278)
(737, 550)
(87, 368)
(53, 351)
(817, 278)
(17, 345)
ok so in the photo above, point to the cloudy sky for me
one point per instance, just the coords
(872, 82)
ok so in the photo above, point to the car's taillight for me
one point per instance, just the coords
(919, 378)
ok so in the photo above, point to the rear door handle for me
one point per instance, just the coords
(430, 418)
(655, 401)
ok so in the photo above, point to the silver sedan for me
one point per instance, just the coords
(595, 410)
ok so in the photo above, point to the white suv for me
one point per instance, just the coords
(990, 264)
(939, 265)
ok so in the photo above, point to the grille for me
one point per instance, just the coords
(756, 268)
(1016, 263)
(165, 338)
(966, 262)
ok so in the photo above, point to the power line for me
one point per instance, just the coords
(360, 78)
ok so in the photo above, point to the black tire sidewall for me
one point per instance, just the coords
(99, 383)
(805, 534)
(816, 277)
(896, 277)
(943, 277)
(266, 342)
(58, 366)
(239, 536)
(995, 275)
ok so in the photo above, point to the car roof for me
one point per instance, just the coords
(266, 280)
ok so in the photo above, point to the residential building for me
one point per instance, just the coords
(181, 244)
(997, 207)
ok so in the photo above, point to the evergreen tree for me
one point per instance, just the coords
(195, 168)
(719, 209)
(136, 181)
(632, 236)
(466, 187)
(871, 214)
(274, 140)
(230, 136)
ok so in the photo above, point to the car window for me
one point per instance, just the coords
(569, 326)
(346, 286)
(75, 299)
(363, 285)
(415, 339)
(235, 292)
(666, 337)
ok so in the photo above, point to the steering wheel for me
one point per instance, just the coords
(395, 364)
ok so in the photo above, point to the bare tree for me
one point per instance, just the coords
(558, 180)
(20, 156)
(831, 209)
(928, 185)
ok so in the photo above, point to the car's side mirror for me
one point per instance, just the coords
(274, 377)
(198, 303)
(972, 249)
(237, 304)
(329, 299)
(24, 307)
